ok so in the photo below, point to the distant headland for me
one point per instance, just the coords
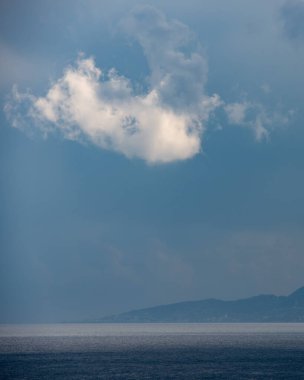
(261, 308)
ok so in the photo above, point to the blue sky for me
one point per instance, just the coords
(151, 152)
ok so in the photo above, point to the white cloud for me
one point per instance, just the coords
(178, 66)
(236, 112)
(86, 105)
(256, 117)
(163, 125)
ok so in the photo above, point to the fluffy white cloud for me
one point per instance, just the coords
(82, 106)
(163, 125)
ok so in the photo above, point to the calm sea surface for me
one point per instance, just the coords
(152, 351)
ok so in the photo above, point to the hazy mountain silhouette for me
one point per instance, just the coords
(262, 308)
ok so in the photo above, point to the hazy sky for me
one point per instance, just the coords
(151, 152)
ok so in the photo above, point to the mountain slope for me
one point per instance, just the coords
(263, 308)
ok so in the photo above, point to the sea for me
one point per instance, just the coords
(152, 351)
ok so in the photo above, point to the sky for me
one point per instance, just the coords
(150, 153)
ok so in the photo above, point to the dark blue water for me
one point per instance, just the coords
(160, 351)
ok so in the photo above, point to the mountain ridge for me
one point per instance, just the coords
(260, 308)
